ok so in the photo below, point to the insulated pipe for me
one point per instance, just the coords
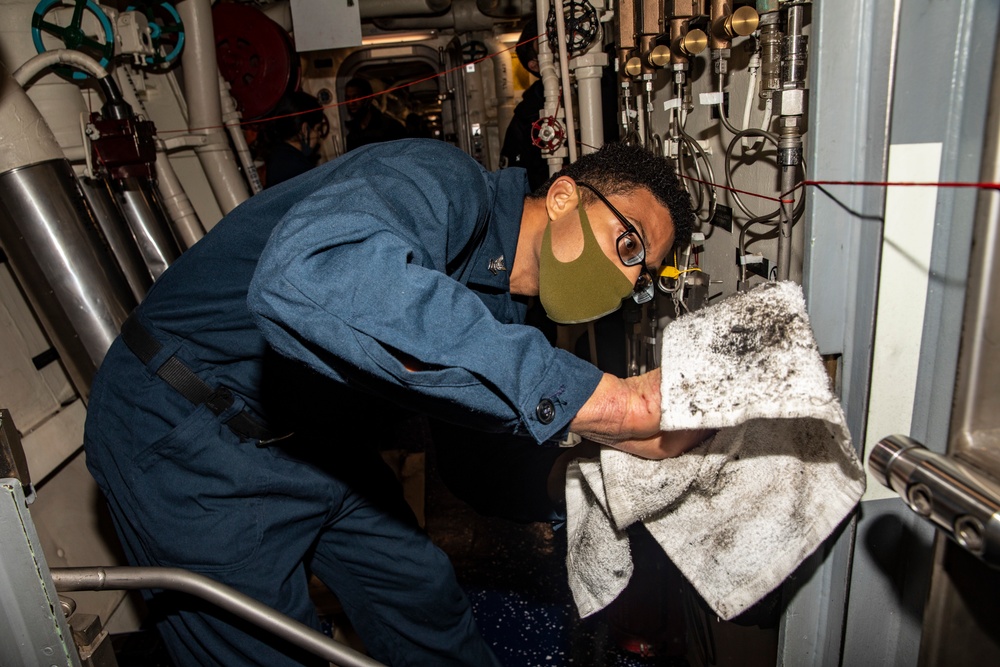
(68, 579)
(371, 9)
(201, 90)
(589, 70)
(567, 89)
(185, 220)
(463, 17)
(503, 79)
(48, 233)
(34, 66)
(231, 117)
(550, 80)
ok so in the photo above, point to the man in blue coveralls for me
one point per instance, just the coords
(225, 426)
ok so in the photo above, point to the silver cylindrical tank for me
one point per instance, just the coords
(77, 292)
(75, 289)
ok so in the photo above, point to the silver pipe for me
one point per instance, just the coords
(184, 220)
(122, 244)
(75, 289)
(142, 211)
(785, 222)
(224, 597)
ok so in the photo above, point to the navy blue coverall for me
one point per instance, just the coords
(324, 304)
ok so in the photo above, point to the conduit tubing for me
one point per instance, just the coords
(201, 90)
(175, 579)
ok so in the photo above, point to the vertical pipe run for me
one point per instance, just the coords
(550, 79)
(201, 90)
(793, 74)
(567, 89)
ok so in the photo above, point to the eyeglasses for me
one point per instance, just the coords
(631, 250)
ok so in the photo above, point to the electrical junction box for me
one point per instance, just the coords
(325, 24)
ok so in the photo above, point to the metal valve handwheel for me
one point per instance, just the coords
(100, 47)
(165, 29)
(582, 26)
(472, 51)
(547, 133)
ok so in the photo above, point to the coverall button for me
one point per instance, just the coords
(545, 411)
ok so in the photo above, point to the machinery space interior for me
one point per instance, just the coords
(851, 147)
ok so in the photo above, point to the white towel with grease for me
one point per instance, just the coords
(741, 511)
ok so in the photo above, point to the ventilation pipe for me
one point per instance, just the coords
(47, 231)
(371, 9)
(503, 78)
(462, 17)
(201, 90)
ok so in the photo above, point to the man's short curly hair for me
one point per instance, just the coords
(618, 169)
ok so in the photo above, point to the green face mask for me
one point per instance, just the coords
(583, 289)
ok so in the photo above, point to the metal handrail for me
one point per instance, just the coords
(225, 597)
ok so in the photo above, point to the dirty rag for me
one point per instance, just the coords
(741, 511)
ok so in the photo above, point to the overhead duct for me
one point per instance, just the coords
(53, 248)
(463, 16)
(506, 9)
(371, 9)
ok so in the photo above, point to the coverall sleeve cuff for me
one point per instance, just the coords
(547, 411)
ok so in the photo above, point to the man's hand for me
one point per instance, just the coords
(665, 444)
(621, 409)
(625, 414)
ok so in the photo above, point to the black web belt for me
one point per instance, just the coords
(184, 381)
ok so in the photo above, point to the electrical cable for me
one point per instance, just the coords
(712, 192)
(773, 138)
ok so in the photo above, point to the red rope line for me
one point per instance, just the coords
(940, 184)
(366, 97)
(742, 192)
(801, 184)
